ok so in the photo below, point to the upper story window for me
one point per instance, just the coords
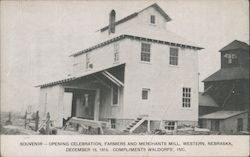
(173, 56)
(87, 61)
(145, 93)
(186, 97)
(152, 19)
(116, 52)
(145, 52)
(231, 58)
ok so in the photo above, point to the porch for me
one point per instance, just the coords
(89, 97)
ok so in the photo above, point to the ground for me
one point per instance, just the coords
(17, 128)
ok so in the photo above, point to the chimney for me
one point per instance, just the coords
(112, 21)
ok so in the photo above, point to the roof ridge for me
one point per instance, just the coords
(241, 42)
(236, 44)
(130, 16)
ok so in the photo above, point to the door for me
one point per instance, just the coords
(239, 124)
(215, 125)
(83, 104)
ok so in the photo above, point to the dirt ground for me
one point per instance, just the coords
(17, 128)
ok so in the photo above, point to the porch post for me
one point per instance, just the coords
(60, 108)
(97, 105)
(148, 127)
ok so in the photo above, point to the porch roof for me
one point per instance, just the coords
(221, 114)
(88, 73)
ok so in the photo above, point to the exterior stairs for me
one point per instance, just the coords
(136, 123)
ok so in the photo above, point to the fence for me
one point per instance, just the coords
(43, 126)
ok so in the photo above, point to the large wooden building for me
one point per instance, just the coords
(137, 70)
(229, 88)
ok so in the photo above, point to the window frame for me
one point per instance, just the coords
(113, 123)
(152, 19)
(174, 58)
(186, 97)
(147, 90)
(112, 96)
(145, 52)
(231, 58)
(169, 125)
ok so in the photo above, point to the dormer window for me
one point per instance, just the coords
(231, 58)
(152, 19)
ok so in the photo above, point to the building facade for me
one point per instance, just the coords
(229, 88)
(136, 68)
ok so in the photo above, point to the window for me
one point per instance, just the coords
(87, 60)
(116, 52)
(113, 123)
(231, 58)
(173, 56)
(169, 125)
(145, 94)
(145, 52)
(186, 97)
(152, 19)
(115, 95)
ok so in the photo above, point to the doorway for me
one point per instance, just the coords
(239, 124)
(83, 103)
(215, 125)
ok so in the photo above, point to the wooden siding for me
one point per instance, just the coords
(222, 94)
(164, 81)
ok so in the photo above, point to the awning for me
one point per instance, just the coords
(103, 71)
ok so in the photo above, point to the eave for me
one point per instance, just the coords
(137, 38)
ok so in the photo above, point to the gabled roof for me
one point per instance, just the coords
(206, 101)
(234, 73)
(236, 44)
(221, 114)
(131, 16)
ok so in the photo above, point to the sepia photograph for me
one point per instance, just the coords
(131, 68)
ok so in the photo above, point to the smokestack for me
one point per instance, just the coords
(112, 21)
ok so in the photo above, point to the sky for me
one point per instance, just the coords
(37, 37)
